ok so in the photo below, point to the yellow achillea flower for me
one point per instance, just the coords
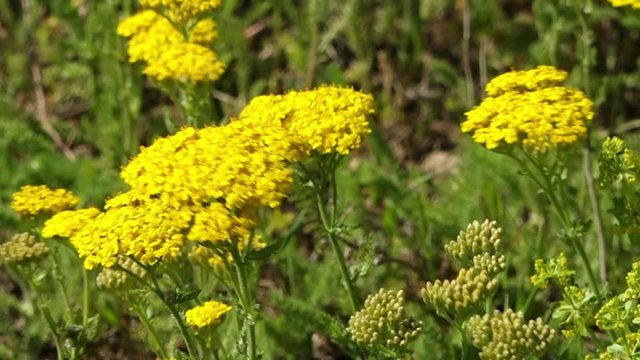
(531, 107)
(134, 225)
(208, 314)
(66, 223)
(244, 164)
(204, 32)
(328, 118)
(168, 54)
(150, 34)
(619, 3)
(33, 200)
(186, 63)
(181, 11)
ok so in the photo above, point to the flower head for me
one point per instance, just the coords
(508, 336)
(186, 62)
(461, 296)
(180, 53)
(328, 118)
(21, 248)
(66, 223)
(531, 107)
(135, 225)
(384, 322)
(478, 246)
(35, 200)
(208, 314)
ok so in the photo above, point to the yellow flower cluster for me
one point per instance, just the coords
(208, 314)
(531, 107)
(35, 200)
(179, 53)
(202, 185)
(329, 119)
(66, 223)
(181, 11)
(133, 225)
(619, 3)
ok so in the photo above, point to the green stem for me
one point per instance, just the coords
(157, 343)
(547, 187)
(191, 348)
(337, 250)
(529, 301)
(245, 301)
(47, 317)
(85, 298)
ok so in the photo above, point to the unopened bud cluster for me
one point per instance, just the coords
(461, 296)
(384, 322)
(22, 247)
(477, 248)
(508, 336)
(478, 239)
(113, 279)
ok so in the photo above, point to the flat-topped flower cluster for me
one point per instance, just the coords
(206, 185)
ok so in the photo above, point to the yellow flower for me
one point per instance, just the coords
(619, 3)
(33, 200)
(171, 53)
(185, 62)
(530, 107)
(204, 32)
(135, 225)
(208, 314)
(329, 119)
(182, 11)
(150, 35)
(244, 164)
(66, 223)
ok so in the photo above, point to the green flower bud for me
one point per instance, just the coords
(22, 248)
(462, 296)
(507, 336)
(384, 322)
(478, 239)
(114, 279)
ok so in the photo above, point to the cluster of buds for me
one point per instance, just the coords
(21, 248)
(508, 336)
(477, 249)
(114, 279)
(479, 240)
(463, 295)
(384, 322)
